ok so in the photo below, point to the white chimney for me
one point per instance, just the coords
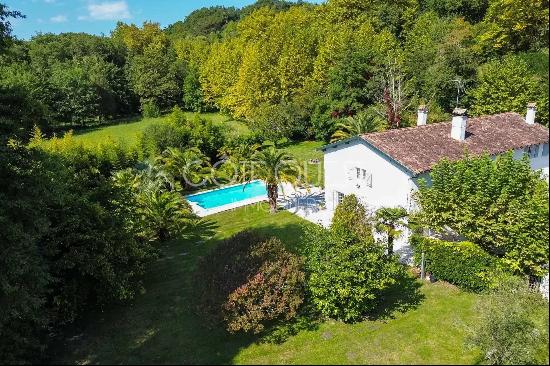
(422, 115)
(460, 121)
(531, 113)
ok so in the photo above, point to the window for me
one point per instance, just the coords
(339, 197)
(545, 150)
(358, 171)
(532, 151)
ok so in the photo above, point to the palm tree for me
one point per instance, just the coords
(274, 167)
(166, 214)
(390, 221)
(363, 122)
(189, 167)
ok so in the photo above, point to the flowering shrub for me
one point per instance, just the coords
(248, 281)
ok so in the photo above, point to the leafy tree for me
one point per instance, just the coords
(506, 85)
(515, 26)
(437, 53)
(347, 271)
(274, 167)
(390, 15)
(500, 205)
(153, 72)
(203, 21)
(512, 326)
(471, 10)
(5, 25)
(389, 221)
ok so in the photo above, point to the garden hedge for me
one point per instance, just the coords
(463, 264)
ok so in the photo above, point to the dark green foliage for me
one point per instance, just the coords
(285, 120)
(24, 270)
(463, 264)
(351, 215)
(203, 21)
(347, 270)
(512, 326)
(507, 85)
(180, 132)
(68, 245)
(346, 273)
(248, 281)
(501, 205)
(471, 10)
(192, 93)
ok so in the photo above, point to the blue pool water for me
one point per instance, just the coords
(224, 196)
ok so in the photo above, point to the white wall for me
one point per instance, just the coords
(391, 184)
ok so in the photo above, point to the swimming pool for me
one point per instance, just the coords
(242, 193)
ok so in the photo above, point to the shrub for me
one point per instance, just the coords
(346, 273)
(181, 132)
(248, 281)
(275, 291)
(351, 217)
(463, 264)
(513, 325)
(150, 110)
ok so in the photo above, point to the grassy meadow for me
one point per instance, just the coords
(128, 132)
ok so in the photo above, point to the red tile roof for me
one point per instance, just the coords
(419, 148)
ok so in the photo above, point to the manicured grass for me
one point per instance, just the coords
(305, 151)
(128, 132)
(161, 326)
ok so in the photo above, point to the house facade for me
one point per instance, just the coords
(383, 169)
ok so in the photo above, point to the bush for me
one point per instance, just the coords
(150, 110)
(463, 264)
(248, 281)
(351, 216)
(512, 328)
(346, 273)
(180, 132)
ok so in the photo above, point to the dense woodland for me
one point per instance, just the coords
(79, 225)
(289, 69)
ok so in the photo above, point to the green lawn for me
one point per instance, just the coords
(129, 131)
(305, 151)
(160, 326)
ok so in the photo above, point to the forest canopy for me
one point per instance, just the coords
(307, 65)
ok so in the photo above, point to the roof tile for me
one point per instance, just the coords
(419, 148)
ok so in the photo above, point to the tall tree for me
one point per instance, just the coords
(515, 26)
(501, 205)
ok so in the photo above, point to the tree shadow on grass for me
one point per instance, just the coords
(162, 326)
(403, 296)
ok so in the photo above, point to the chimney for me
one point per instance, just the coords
(422, 115)
(531, 113)
(460, 120)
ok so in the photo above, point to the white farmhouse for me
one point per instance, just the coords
(382, 169)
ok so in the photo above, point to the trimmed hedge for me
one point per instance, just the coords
(463, 264)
